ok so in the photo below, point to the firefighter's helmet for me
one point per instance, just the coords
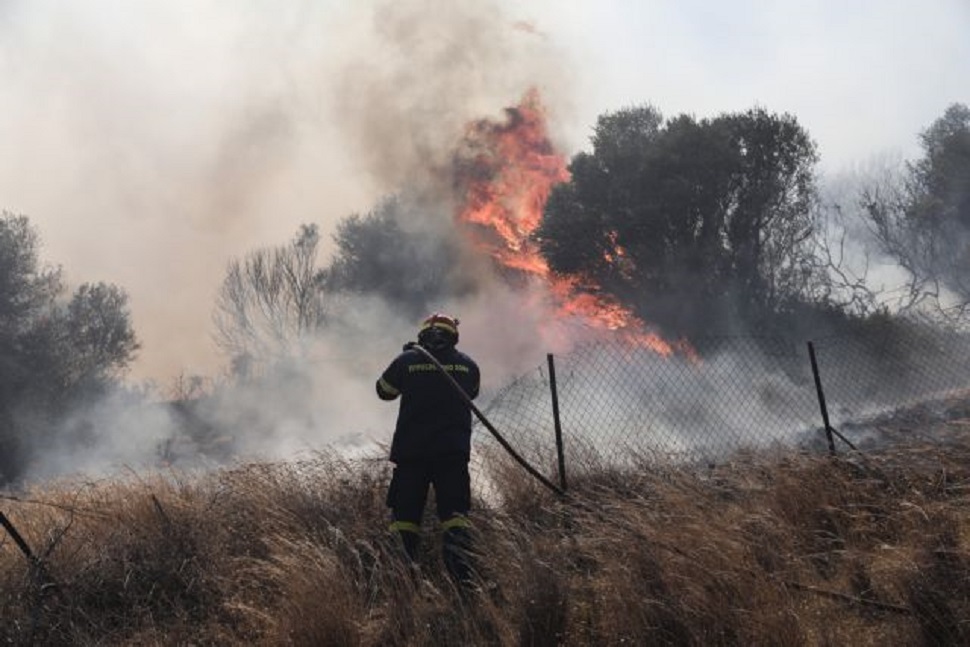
(438, 331)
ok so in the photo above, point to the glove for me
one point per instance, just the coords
(409, 345)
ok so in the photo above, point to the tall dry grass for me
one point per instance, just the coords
(768, 549)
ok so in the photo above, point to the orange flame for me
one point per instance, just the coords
(513, 170)
(508, 171)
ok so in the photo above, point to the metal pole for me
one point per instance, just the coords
(556, 422)
(17, 538)
(821, 398)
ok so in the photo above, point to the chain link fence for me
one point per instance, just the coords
(622, 406)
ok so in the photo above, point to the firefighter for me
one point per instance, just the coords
(432, 441)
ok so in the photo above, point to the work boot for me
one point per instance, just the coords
(411, 541)
(406, 544)
(457, 556)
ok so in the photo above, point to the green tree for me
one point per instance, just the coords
(26, 288)
(941, 179)
(93, 331)
(410, 267)
(55, 350)
(689, 219)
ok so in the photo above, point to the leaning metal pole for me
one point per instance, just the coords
(17, 539)
(488, 425)
(829, 429)
(820, 393)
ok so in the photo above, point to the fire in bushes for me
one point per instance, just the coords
(508, 170)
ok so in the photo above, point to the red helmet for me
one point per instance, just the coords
(438, 330)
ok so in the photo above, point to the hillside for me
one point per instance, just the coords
(782, 549)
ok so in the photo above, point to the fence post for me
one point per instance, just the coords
(556, 422)
(821, 398)
(18, 539)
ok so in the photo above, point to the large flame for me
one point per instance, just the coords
(508, 171)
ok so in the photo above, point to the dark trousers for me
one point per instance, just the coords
(407, 495)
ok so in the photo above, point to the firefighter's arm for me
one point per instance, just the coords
(386, 390)
(389, 383)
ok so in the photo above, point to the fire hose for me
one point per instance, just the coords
(488, 425)
(18, 539)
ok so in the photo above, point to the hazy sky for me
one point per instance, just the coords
(863, 76)
(151, 141)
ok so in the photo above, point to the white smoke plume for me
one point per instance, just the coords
(151, 143)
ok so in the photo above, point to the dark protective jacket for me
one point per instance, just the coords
(433, 420)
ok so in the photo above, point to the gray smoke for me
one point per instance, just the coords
(151, 142)
(156, 141)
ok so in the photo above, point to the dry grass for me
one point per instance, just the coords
(766, 550)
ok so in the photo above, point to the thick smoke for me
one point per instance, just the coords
(152, 142)
(156, 142)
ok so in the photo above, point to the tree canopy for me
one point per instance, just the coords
(689, 220)
(55, 349)
(394, 256)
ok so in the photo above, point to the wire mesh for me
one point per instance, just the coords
(896, 367)
(623, 406)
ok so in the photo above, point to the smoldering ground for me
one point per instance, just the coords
(621, 405)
